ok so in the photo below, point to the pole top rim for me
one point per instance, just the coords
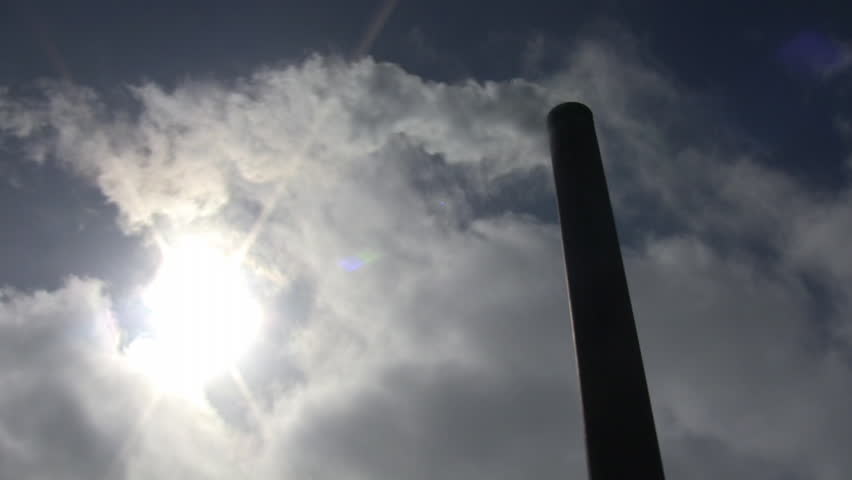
(568, 111)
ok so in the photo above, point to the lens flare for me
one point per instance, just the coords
(354, 262)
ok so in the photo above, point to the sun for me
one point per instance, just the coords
(201, 318)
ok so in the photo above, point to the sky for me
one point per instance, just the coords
(381, 170)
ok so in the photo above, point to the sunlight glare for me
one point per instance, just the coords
(202, 317)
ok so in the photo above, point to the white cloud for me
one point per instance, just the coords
(450, 355)
(72, 407)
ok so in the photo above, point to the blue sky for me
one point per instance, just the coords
(390, 199)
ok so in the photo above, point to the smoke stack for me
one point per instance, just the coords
(621, 440)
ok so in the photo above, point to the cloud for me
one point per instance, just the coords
(450, 355)
(72, 406)
(177, 158)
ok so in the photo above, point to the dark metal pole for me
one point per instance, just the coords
(621, 441)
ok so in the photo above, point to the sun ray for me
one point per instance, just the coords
(251, 402)
(132, 435)
(368, 39)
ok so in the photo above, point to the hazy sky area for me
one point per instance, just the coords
(380, 172)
